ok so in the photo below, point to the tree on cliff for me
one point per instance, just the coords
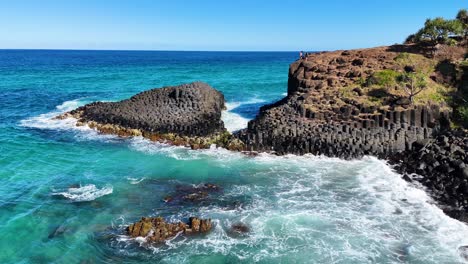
(413, 83)
(439, 30)
(462, 16)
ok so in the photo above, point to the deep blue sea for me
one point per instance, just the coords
(67, 193)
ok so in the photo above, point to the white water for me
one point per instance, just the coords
(85, 193)
(234, 121)
(338, 211)
(328, 210)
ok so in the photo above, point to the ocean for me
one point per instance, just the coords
(68, 193)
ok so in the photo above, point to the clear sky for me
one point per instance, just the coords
(214, 25)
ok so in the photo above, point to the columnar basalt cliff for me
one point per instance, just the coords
(329, 111)
(188, 114)
(316, 118)
(441, 165)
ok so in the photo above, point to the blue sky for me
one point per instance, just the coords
(214, 25)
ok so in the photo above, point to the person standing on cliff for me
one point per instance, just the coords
(301, 55)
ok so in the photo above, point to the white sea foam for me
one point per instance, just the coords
(234, 121)
(85, 193)
(47, 121)
(325, 210)
(331, 208)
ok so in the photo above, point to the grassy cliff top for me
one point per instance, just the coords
(398, 76)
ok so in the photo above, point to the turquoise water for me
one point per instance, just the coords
(299, 209)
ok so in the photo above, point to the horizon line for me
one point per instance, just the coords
(147, 50)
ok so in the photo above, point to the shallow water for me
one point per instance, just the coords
(68, 192)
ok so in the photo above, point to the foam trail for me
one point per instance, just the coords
(85, 193)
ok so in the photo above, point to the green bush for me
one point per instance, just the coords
(384, 78)
(403, 57)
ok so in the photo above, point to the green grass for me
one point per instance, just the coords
(384, 86)
(384, 78)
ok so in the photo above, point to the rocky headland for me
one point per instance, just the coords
(349, 103)
(345, 104)
(330, 111)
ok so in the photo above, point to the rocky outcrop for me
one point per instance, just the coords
(188, 114)
(441, 165)
(157, 230)
(315, 117)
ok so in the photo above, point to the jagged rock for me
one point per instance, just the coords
(155, 229)
(440, 162)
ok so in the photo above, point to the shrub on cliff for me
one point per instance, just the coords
(384, 78)
(413, 83)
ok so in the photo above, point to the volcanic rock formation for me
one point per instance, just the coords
(315, 117)
(188, 114)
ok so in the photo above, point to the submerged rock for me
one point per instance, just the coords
(240, 228)
(155, 229)
(190, 193)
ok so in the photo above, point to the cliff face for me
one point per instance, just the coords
(316, 118)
